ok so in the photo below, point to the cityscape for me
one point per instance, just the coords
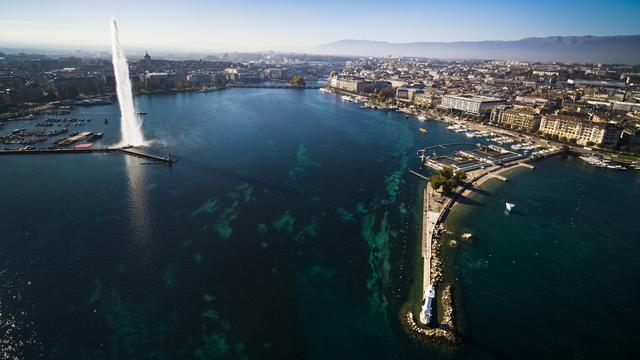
(433, 195)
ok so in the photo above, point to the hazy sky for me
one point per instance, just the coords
(296, 25)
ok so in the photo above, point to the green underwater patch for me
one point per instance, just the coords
(209, 207)
(223, 223)
(284, 222)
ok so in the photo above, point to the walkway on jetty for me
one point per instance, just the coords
(126, 150)
(435, 206)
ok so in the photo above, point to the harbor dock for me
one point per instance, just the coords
(127, 151)
(499, 177)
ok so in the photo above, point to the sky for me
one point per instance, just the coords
(248, 25)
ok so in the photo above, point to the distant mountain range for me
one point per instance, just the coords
(578, 49)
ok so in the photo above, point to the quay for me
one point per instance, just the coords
(127, 151)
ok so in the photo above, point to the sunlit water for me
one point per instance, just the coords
(286, 230)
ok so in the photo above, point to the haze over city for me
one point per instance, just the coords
(300, 25)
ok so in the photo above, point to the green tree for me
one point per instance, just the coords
(447, 179)
(386, 93)
(297, 80)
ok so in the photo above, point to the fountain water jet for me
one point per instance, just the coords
(130, 123)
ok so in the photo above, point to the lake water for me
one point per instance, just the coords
(288, 229)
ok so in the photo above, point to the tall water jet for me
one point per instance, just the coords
(130, 124)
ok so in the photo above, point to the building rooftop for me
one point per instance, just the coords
(474, 98)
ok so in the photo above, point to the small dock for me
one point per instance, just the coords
(499, 177)
(527, 165)
(419, 175)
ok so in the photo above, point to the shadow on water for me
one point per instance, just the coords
(221, 171)
(468, 201)
(514, 213)
(479, 191)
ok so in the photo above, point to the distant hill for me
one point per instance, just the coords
(579, 49)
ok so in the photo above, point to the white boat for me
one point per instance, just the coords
(509, 206)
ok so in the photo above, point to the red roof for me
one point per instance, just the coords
(83, 146)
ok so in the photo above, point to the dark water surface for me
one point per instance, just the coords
(559, 276)
(288, 230)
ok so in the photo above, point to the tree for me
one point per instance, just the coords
(386, 93)
(447, 179)
(297, 80)
(590, 143)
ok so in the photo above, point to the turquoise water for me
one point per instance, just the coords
(288, 229)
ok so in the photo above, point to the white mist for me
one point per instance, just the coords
(130, 124)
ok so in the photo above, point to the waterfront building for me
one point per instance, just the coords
(159, 81)
(518, 117)
(408, 92)
(582, 131)
(247, 76)
(426, 100)
(347, 83)
(276, 74)
(218, 78)
(75, 85)
(469, 160)
(198, 79)
(470, 104)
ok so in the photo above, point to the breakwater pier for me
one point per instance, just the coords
(130, 151)
(436, 206)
